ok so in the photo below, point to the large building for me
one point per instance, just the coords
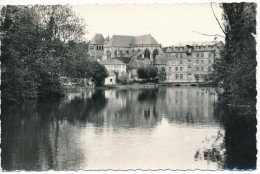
(187, 62)
(124, 46)
(183, 62)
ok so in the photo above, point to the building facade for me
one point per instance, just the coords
(188, 62)
(113, 66)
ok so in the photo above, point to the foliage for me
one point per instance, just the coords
(97, 72)
(147, 73)
(162, 75)
(236, 71)
(34, 49)
(123, 79)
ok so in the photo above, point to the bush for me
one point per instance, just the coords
(147, 73)
(123, 79)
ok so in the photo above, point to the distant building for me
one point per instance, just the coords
(96, 47)
(113, 66)
(124, 46)
(186, 62)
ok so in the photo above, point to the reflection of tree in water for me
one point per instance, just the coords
(137, 111)
(42, 136)
(148, 95)
(239, 141)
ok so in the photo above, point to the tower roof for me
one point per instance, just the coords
(98, 39)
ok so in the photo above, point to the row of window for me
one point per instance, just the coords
(198, 55)
(98, 47)
(114, 66)
(189, 69)
(197, 61)
(177, 76)
(195, 47)
(176, 69)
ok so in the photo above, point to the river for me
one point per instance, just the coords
(153, 128)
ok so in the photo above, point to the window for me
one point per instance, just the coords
(202, 61)
(210, 55)
(181, 68)
(170, 68)
(176, 68)
(111, 80)
(180, 55)
(181, 76)
(202, 68)
(202, 54)
(189, 60)
(197, 61)
(181, 62)
(176, 76)
(197, 55)
(209, 61)
(177, 56)
(209, 68)
(197, 68)
(91, 47)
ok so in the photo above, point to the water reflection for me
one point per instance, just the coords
(157, 128)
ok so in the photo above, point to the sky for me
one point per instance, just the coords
(168, 23)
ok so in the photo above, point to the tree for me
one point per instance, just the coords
(236, 71)
(148, 72)
(97, 72)
(123, 79)
(162, 75)
(34, 40)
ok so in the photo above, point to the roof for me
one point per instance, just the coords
(112, 62)
(135, 63)
(127, 41)
(125, 60)
(120, 40)
(145, 40)
(98, 39)
(206, 45)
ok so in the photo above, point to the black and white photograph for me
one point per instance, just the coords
(128, 86)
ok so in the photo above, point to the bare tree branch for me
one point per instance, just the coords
(208, 34)
(217, 19)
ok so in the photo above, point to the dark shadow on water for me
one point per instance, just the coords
(236, 148)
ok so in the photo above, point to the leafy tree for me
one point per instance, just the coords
(236, 71)
(148, 72)
(34, 45)
(123, 79)
(97, 72)
(162, 75)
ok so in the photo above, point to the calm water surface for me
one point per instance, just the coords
(159, 128)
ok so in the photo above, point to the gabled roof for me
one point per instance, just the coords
(120, 40)
(112, 62)
(98, 39)
(145, 40)
(127, 41)
(125, 60)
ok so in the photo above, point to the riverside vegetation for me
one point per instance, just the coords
(40, 44)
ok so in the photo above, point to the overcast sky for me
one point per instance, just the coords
(168, 24)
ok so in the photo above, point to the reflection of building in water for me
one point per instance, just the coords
(188, 105)
(126, 109)
(73, 95)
